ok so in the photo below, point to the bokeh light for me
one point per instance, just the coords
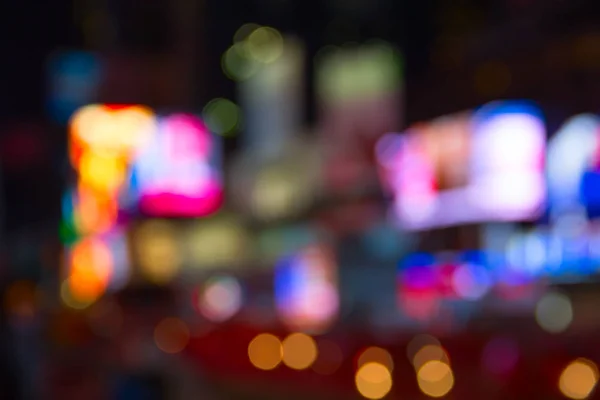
(329, 357)
(237, 63)
(222, 116)
(90, 269)
(265, 44)
(554, 312)
(265, 351)
(373, 380)
(72, 301)
(171, 335)
(430, 352)
(377, 355)
(220, 298)
(157, 251)
(244, 31)
(578, 380)
(435, 378)
(418, 342)
(299, 351)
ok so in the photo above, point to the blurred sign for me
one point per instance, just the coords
(466, 168)
(573, 168)
(360, 97)
(74, 78)
(306, 289)
(178, 172)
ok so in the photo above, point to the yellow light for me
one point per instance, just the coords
(94, 213)
(101, 172)
(265, 351)
(120, 131)
(578, 380)
(299, 351)
(265, 44)
(171, 335)
(373, 380)
(72, 301)
(157, 251)
(217, 242)
(430, 352)
(435, 378)
(378, 355)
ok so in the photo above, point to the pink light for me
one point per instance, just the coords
(175, 174)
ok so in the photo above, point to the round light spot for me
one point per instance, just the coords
(265, 44)
(220, 298)
(377, 355)
(244, 31)
(222, 116)
(265, 351)
(418, 342)
(430, 352)
(554, 312)
(299, 351)
(171, 335)
(578, 380)
(373, 380)
(157, 251)
(237, 63)
(435, 379)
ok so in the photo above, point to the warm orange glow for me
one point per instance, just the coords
(373, 380)
(115, 130)
(90, 269)
(435, 378)
(101, 172)
(94, 213)
(378, 355)
(578, 380)
(299, 351)
(265, 351)
(171, 335)
(430, 352)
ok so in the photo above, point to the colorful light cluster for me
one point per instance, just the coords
(126, 159)
(306, 290)
(177, 173)
(486, 166)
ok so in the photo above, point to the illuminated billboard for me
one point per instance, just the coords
(178, 172)
(573, 168)
(466, 168)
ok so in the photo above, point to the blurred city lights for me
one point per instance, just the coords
(329, 357)
(220, 298)
(373, 380)
(578, 380)
(427, 353)
(222, 116)
(90, 269)
(265, 44)
(376, 355)
(265, 351)
(418, 342)
(554, 312)
(217, 242)
(299, 351)
(171, 335)
(237, 63)
(157, 251)
(72, 301)
(471, 282)
(244, 31)
(435, 378)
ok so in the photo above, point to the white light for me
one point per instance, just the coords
(554, 312)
